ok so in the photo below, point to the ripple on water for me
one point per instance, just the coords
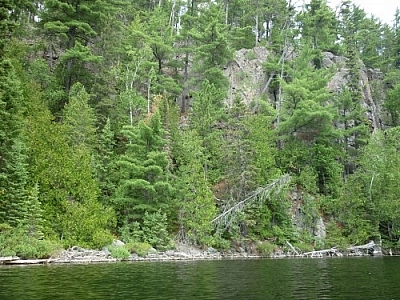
(328, 278)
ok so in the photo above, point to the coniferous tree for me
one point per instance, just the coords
(104, 163)
(204, 119)
(11, 163)
(142, 172)
(15, 205)
(356, 134)
(80, 118)
(34, 221)
(396, 29)
(306, 128)
(75, 25)
(318, 29)
(196, 205)
(212, 51)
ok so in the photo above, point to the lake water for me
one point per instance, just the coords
(330, 278)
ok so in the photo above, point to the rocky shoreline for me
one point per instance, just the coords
(78, 255)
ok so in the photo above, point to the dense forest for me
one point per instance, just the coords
(115, 123)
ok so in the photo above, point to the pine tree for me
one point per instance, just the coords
(306, 130)
(75, 25)
(142, 172)
(212, 51)
(318, 29)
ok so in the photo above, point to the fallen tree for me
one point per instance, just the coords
(226, 218)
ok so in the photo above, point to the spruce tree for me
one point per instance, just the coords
(11, 157)
(15, 205)
(34, 221)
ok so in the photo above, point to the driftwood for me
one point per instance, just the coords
(293, 248)
(370, 245)
(27, 262)
(7, 259)
(320, 253)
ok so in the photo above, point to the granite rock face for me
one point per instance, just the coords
(247, 80)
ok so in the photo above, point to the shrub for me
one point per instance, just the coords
(26, 251)
(266, 248)
(139, 248)
(303, 247)
(220, 243)
(16, 242)
(7, 252)
(47, 248)
(101, 238)
(131, 232)
(118, 252)
(155, 230)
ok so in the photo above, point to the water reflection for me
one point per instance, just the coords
(355, 278)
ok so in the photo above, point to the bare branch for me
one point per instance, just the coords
(259, 194)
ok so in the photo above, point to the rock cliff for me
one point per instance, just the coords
(247, 79)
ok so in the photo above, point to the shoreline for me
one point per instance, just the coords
(162, 257)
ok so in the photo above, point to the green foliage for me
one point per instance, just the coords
(91, 142)
(266, 248)
(303, 247)
(392, 104)
(12, 157)
(155, 230)
(152, 231)
(119, 252)
(140, 248)
(79, 118)
(196, 201)
(335, 237)
(261, 139)
(318, 26)
(15, 200)
(104, 160)
(220, 243)
(85, 224)
(74, 24)
(17, 242)
(142, 172)
(131, 232)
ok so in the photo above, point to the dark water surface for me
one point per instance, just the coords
(332, 278)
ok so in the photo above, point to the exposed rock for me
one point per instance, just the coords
(246, 74)
(247, 79)
(118, 243)
(211, 250)
(320, 229)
